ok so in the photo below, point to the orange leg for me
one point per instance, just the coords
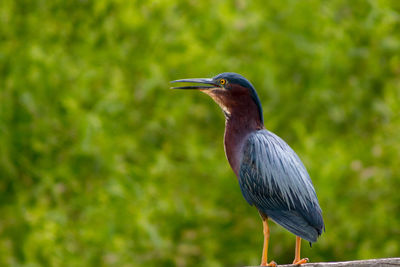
(297, 259)
(264, 260)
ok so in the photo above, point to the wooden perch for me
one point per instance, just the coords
(390, 262)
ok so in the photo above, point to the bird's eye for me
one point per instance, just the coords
(222, 81)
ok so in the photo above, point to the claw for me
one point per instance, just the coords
(302, 261)
(272, 263)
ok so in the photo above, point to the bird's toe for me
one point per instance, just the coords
(302, 261)
(272, 263)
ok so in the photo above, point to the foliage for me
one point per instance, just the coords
(102, 164)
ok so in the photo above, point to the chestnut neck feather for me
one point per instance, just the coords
(243, 118)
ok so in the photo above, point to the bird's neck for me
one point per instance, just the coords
(239, 124)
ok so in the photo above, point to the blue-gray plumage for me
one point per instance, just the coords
(273, 179)
(271, 176)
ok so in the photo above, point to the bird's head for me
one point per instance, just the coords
(231, 91)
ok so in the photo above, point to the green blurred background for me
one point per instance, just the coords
(102, 165)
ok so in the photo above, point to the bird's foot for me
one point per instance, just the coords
(272, 263)
(298, 262)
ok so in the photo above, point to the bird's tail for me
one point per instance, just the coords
(295, 223)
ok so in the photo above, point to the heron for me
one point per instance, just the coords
(270, 174)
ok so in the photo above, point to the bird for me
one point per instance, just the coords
(271, 176)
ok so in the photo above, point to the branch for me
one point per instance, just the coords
(389, 262)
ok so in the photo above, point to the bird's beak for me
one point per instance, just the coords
(208, 81)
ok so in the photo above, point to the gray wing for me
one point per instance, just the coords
(273, 178)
